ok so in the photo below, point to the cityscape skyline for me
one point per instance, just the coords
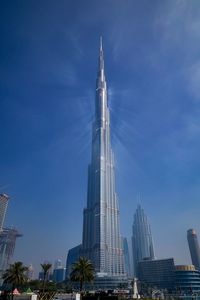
(48, 67)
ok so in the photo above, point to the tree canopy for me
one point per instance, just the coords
(82, 271)
(15, 274)
(45, 267)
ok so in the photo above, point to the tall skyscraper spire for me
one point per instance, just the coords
(101, 44)
(101, 59)
(101, 238)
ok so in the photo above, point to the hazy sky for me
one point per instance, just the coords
(48, 66)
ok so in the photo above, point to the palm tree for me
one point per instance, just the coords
(45, 267)
(15, 275)
(82, 270)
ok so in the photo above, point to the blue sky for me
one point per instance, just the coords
(48, 64)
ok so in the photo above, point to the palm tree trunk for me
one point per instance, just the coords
(12, 289)
(44, 281)
(81, 285)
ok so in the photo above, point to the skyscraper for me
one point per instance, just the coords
(101, 241)
(58, 264)
(194, 248)
(142, 242)
(3, 207)
(58, 272)
(8, 238)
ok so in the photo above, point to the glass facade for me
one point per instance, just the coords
(72, 256)
(158, 273)
(59, 274)
(142, 241)
(126, 256)
(101, 241)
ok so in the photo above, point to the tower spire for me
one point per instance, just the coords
(101, 59)
(101, 44)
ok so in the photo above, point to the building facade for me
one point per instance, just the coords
(8, 238)
(72, 256)
(157, 273)
(101, 242)
(142, 241)
(187, 279)
(3, 207)
(194, 248)
(126, 257)
(58, 264)
(59, 274)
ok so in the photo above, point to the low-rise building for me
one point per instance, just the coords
(187, 279)
(157, 273)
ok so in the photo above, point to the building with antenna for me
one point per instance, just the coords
(101, 241)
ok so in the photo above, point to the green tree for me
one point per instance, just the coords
(34, 284)
(45, 268)
(82, 271)
(15, 275)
